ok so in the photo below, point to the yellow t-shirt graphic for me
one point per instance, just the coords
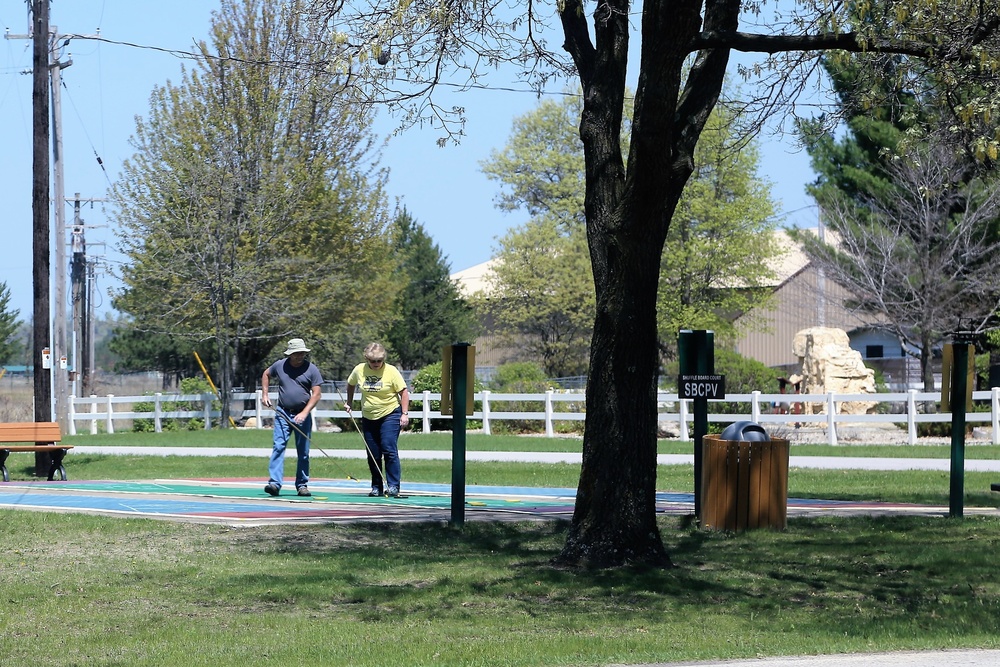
(380, 388)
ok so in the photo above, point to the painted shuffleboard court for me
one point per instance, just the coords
(244, 502)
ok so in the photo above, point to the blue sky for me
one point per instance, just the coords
(108, 85)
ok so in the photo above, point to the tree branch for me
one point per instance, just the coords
(578, 44)
(848, 41)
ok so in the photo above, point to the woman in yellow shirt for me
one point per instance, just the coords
(385, 404)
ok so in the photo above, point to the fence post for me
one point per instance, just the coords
(93, 411)
(486, 412)
(549, 430)
(683, 416)
(755, 406)
(426, 409)
(72, 412)
(831, 418)
(207, 399)
(111, 423)
(157, 412)
(911, 416)
(256, 409)
(995, 413)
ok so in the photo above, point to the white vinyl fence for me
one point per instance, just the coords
(904, 409)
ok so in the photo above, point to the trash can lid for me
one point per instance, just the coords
(745, 431)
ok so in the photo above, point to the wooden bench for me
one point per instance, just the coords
(45, 437)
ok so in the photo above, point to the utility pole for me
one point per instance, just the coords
(40, 218)
(49, 333)
(61, 351)
(81, 324)
(81, 276)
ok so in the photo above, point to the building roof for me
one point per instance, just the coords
(790, 260)
(474, 279)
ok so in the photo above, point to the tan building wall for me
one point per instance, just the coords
(491, 351)
(805, 300)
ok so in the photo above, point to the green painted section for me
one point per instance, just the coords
(257, 493)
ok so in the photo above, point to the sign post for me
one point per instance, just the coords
(458, 370)
(956, 395)
(696, 350)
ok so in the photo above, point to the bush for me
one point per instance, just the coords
(518, 378)
(193, 385)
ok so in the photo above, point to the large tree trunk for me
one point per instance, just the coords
(628, 216)
(614, 521)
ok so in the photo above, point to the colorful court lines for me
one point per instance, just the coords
(243, 502)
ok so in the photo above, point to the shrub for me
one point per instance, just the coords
(518, 378)
(192, 385)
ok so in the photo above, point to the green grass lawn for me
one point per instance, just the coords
(86, 590)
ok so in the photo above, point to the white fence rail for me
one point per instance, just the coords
(903, 409)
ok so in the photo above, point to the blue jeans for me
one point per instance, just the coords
(283, 430)
(382, 436)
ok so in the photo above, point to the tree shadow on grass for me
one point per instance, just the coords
(833, 576)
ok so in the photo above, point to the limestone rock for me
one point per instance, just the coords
(830, 365)
(665, 429)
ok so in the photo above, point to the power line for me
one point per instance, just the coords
(83, 125)
(294, 64)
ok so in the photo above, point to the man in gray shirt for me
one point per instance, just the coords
(298, 393)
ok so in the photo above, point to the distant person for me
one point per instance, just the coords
(298, 393)
(385, 404)
(795, 387)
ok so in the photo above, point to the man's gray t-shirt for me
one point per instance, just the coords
(295, 383)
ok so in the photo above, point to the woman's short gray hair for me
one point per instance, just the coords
(375, 352)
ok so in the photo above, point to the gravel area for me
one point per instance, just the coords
(878, 434)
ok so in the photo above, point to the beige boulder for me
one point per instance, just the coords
(830, 365)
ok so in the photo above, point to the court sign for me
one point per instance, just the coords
(701, 386)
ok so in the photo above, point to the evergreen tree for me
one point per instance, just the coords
(142, 350)
(430, 313)
(10, 347)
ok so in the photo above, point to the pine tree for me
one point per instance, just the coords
(10, 347)
(431, 312)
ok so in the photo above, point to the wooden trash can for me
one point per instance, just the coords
(744, 485)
